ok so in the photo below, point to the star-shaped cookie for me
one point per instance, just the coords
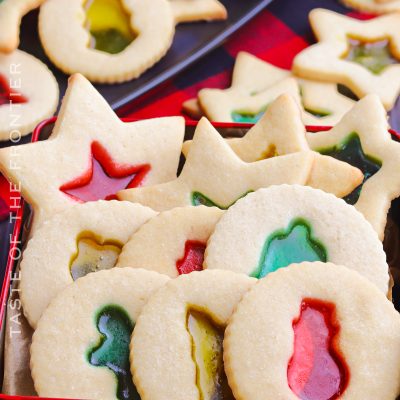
(11, 13)
(195, 10)
(362, 55)
(253, 81)
(363, 135)
(89, 142)
(215, 176)
(374, 6)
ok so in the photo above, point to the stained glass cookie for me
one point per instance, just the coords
(362, 55)
(173, 242)
(281, 225)
(374, 6)
(28, 94)
(193, 311)
(92, 154)
(106, 40)
(313, 331)
(83, 336)
(11, 13)
(85, 238)
(362, 138)
(214, 175)
(195, 10)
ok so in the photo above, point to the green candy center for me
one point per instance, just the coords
(373, 55)
(318, 113)
(109, 25)
(198, 199)
(207, 354)
(112, 351)
(351, 151)
(93, 255)
(285, 247)
(246, 117)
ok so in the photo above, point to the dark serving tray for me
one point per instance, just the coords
(192, 41)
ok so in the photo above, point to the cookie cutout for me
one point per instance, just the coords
(315, 346)
(100, 311)
(215, 173)
(322, 104)
(108, 41)
(91, 148)
(85, 238)
(197, 10)
(373, 6)
(11, 13)
(362, 55)
(266, 140)
(32, 90)
(275, 227)
(193, 311)
(362, 136)
(173, 243)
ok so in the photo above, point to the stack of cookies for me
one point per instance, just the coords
(351, 59)
(258, 273)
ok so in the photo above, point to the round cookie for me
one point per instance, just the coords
(173, 242)
(80, 348)
(31, 87)
(176, 347)
(274, 227)
(313, 331)
(85, 238)
(108, 41)
(373, 6)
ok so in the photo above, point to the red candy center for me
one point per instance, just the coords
(317, 370)
(104, 177)
(7, 95)
(192, 259)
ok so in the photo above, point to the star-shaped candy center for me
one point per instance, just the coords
(8, 95)
(104, 177)
(373, 55)
(192, 259)
(317, 369)
(351, 151)
(288, 246)
(109, 25)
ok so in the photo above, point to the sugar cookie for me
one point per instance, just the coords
(92, 154)
(31, 88)
(108, 41)
(285, 224)
(193, 311)
(83, 336)
(362, 139)
(313, 331)
(362, 55)
(85, 238)
(373, 6)
(214, 175)
(172, 243)
(195, 10)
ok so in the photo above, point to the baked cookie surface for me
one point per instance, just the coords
(362, 138)
(195, 10)
(11, 13)
(34, 93)
(108, 41)
(91, 154)
(275, 227)
(85, 238)
(172, 243)
(313, 331)
(182, 327)
(362, 55)
(83, 337)
(214, 175)
(374, 6)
